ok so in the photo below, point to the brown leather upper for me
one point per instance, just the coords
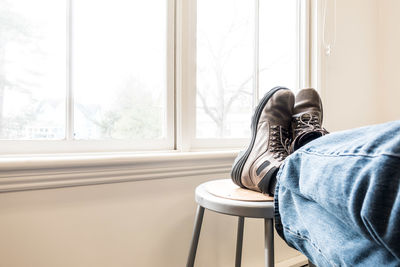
(308, 101)
(275, 118)
(307, 118)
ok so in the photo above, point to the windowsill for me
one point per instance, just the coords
(29, 172)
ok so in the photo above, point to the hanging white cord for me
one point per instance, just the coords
(328, 45)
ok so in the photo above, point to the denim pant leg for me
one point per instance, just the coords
(338, 198)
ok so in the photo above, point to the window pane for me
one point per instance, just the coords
(278, 44)
(119, 69)
(228, 44)
(225, 67)
(32, 69)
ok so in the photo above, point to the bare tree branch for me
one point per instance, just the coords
(241, 90)
(206, 108)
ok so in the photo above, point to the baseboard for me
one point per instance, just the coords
(293, 262)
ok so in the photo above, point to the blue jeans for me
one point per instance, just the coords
(337, 199)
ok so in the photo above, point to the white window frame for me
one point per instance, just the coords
(181, 89)
(58, 169)
(186, 73)
(69, 145)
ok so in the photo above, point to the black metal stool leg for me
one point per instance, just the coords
(269, 242)
(239, 242)
(196, 234)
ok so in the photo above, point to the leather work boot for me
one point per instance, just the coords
(307, 118)
(269, 145)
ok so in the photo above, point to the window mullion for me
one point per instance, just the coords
(170, 119)
(315, 44)
(304, 38)
(69, 120)
(256, 52)
(185, 73)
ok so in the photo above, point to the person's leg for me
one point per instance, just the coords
(338, 198)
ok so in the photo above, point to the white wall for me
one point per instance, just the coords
(362, 76)
(146, 223)
(389, 60)
(351, 80)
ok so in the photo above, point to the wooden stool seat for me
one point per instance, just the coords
(227, 189)
(223, 196)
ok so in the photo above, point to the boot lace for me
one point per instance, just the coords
(279, 142)
(308, 122)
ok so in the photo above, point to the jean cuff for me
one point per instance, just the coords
(277, 216)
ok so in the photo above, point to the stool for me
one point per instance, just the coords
(223, 196)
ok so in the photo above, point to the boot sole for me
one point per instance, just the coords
(241, 159)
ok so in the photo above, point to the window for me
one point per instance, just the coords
(119, 56)
(32, 70)
(239, 50)
(244, 48)
(132, 75)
